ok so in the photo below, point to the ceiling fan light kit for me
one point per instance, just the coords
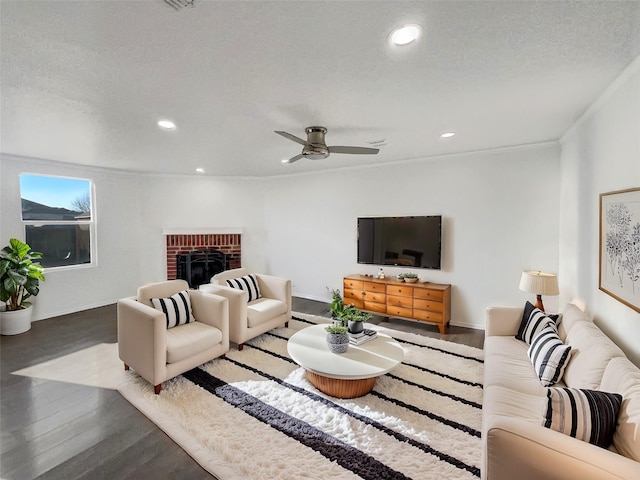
(315, 147)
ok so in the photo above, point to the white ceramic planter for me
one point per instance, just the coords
(15, 322)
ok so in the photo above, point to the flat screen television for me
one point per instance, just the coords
(400, 241)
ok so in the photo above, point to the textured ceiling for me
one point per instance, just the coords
(85, 81)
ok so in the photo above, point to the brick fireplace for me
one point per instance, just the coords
(183, 243)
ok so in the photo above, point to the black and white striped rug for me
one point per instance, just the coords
(253, 415)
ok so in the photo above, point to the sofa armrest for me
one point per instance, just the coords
(526, 451)
(502, 321)
(142, 342)
(275, 287)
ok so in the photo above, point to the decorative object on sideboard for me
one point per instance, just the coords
(408, 277)
(619, 272)
(539, 283)
(20, 277)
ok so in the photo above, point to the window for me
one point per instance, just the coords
(58, 216)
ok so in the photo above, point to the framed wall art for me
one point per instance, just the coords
(620, 246)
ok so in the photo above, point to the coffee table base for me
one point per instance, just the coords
(340, 388)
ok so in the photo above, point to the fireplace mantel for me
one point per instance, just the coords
(203, 231)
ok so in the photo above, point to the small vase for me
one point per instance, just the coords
(356, 327)
(338, 342)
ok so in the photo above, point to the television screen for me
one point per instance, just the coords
(400, 241)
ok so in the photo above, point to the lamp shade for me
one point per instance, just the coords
(539, 283)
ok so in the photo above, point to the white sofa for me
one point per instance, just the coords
(248, 319)
(515, 444)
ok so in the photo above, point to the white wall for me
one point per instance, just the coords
(117, 272)
(601, 153)
(499, 208)
(500, 216)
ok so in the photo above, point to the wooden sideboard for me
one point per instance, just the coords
(421, 301)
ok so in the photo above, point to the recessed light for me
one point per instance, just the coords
(200, 170)
(447, 135)
(166, 124)
(405, 35)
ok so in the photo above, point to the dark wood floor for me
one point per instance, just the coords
(56, 430)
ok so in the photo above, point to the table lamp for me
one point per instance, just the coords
(539, 283)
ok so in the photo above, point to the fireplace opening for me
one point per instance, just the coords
(197, 267)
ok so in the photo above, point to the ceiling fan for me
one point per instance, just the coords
(315, 148)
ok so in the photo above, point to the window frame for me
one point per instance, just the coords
(92, 223)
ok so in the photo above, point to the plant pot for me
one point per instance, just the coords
(338, 342)
(410, 280)
(15, 321)
(356, 327)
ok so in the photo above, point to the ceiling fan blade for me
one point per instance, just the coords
(295, 159)
(291, 137)
(356, 150)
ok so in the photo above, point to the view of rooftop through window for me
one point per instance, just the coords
(57, 215)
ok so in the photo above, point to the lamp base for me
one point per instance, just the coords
(539, 304)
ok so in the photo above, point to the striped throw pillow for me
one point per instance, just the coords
(534, 320)
(549, 356)
(248, 283)
(176, 308)
(588, 415)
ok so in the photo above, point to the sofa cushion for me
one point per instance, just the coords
(264, 309)
(549, 356)
(533, 321)
(571, 316)
(591, 352)
(176, 308)
(185, 341)
(623, 377)
(248, 283)
(506, 364)
(587, 415)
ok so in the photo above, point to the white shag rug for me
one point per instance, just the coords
(254, 415)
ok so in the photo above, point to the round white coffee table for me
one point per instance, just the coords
(343, 375)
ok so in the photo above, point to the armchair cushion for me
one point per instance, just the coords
(176, 308)
(187, 340)
(248, 283)
(264, 309)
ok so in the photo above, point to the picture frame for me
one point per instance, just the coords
(619, 272)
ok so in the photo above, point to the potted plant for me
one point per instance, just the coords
(20, 278)
(354, 318)
(336, 306)
(408, 277)
(337, 338)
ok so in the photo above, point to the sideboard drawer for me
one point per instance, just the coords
(375, 287)
(375, 297)
(428, 294)
(375, 307)
(432, 306)
(393, 301)
(427, 316)
(401, 291)
(350, 294)
(349, 283)
(399, 311)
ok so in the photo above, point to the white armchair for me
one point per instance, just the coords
(158, 353)
(250, 319)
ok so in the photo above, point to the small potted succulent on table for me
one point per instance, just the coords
(337, 338)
